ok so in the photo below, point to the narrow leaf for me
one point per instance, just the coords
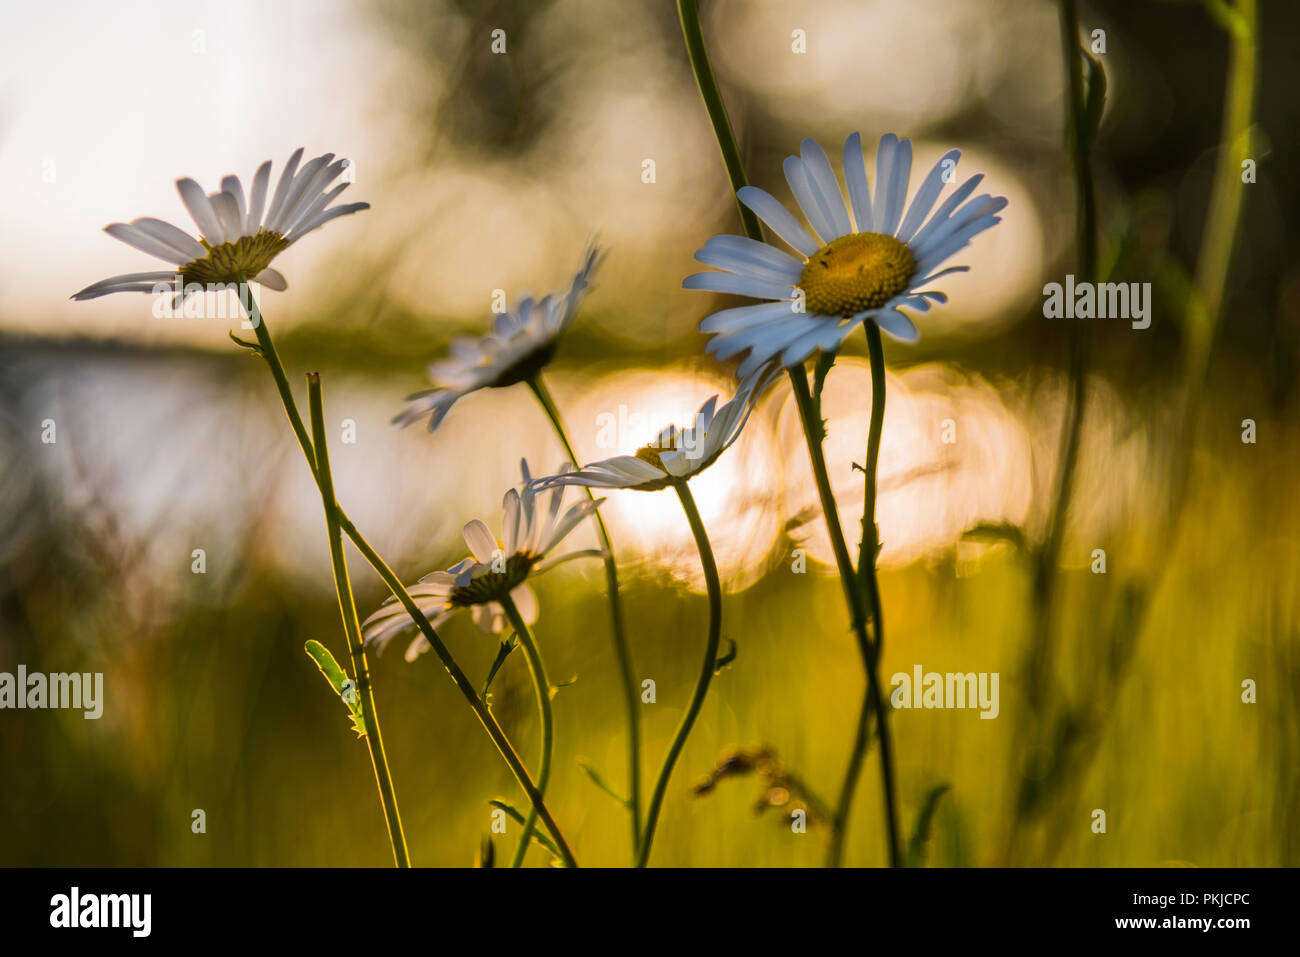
(601, 783)
(539, 835)
(924, 821)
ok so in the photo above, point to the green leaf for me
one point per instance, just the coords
(343, 686)
(252, 347)
(539, 835)
(328, 666)
(503, 652)
(601, 783)
(921, 829)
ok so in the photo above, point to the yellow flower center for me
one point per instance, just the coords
(246, 256)
(651, 454)
(856, 272)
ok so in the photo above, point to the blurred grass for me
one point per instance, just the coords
(218, 708)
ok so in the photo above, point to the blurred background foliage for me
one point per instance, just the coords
(490, 171)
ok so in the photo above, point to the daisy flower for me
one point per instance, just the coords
(868, 259)
(236, 242)
(530, 530)
(521, 343)
(676, 454)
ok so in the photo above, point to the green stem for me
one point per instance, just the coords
(352, 626)
(542, 688)
(813, 433)
(707, 668)
(813, 430)
(1046, 556)
(699, 57)
(390, 578)
(873, 702)
(1079, 138)
(467, 690)
(622, 651)
(1224, 216)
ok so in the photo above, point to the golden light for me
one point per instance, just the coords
(738, 496)
(952, 456)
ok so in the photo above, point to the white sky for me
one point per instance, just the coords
(104, 106)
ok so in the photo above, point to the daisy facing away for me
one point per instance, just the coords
(865, 260)
(236, 241)
(522, 341)
(676, 454)
(530, 530)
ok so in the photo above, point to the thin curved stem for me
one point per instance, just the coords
(1078, 137)
(873, 701)
(467, 690)
(813, 431)
(542, 688)
(352, 627)
(622, 651)
(709, 666)
(689, 16)
(394, 583)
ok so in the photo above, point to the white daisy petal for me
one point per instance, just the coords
(897, 325)
(925, 197)
(182, 242)
(739, 285)
(480, 541)
(200, 210)
(732, 320)
(510, 522)
(133, 235)
(129, 279)
(944, 213)
(893, 166)
(257, 199)
(301, 182)
(117, 287)
(232, 186)
(746, 257)
(855, 178)
(822, 179)
(526, 602)
(272, 279)
(320, 219)
(227, 211)
(282, 188)
(788, 328)
(778, 218)
(796, 174)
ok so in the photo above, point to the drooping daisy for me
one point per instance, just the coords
(236, 241)
(867, 259)
(676, 454)
(521, 343)
(530, 530)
